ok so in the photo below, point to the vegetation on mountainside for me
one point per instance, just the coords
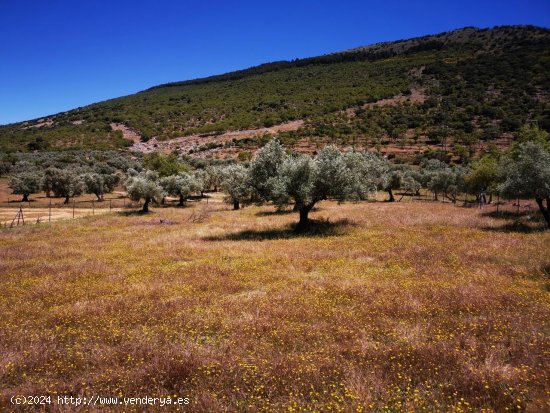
(476, 85)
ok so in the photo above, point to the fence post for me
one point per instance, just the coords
(50, 211)
(93, 209)
(110, 205)
(73, 207)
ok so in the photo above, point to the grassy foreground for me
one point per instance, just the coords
(391, 307)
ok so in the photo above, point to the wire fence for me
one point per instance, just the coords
(15, 213)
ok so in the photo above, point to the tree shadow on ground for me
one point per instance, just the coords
(317, 228)
(508, 214)
(134, 212)
(519, 226)
(276, 212)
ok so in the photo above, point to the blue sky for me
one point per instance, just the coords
(56, 55)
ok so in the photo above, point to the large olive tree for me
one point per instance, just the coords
(304, 181)
(526, 174)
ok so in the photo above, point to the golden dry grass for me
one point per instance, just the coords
(392, 307)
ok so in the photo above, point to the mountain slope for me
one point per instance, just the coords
(469, 85)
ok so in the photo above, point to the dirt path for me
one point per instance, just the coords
(185, 143)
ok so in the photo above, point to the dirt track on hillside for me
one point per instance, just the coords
(185, 143)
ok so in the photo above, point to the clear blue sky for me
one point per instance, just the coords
(56, 55)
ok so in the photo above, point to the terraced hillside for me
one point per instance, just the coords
(457, 92)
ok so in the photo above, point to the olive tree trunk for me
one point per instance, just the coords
(544, 210)
(304, 222)
(392, 198)
(146, 205)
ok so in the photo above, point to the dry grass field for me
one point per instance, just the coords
(382, 307)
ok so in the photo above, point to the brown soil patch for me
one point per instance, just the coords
(127, 133)
(417, 96)
(185, 143)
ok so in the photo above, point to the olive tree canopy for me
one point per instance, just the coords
(25, 183)
(234, 180)
(181, 185)
(303, 180)
(264, 169)
(65, 183)
(144, 185)
(100, 184)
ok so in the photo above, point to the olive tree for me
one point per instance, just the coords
(483, 177)
(65, 183)
(144, 185)
(305, 181)
(265, 168)
(25, 183)
(214, 176)
(180, 185)
(201, 178)
(5, 167)
(100, 184)
(432, 178)
(410, 184)
(449, 181)
(235, 182)
(526, 174)
(394, 181)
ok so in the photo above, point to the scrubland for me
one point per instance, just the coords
(380, 307)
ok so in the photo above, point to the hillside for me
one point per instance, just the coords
(457, 93)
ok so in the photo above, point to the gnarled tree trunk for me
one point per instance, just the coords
(303, 223)
(25, 198)
(544, 210)
(146, 205)
(390, 192)
(236, 205)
